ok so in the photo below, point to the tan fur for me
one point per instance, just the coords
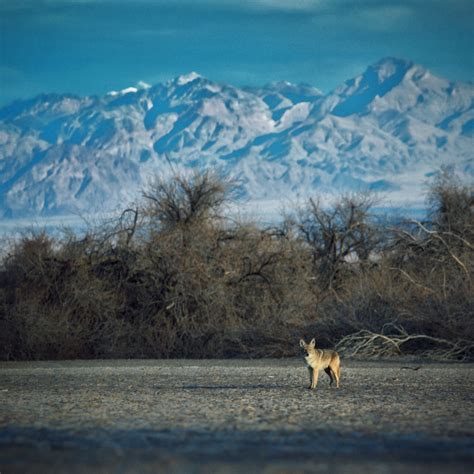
(317, 359)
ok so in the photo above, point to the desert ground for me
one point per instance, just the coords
(204, 416)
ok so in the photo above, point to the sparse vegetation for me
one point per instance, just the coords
(174, 278)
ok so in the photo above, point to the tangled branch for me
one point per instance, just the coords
(368, 344)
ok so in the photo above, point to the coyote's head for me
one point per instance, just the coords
(308, 348)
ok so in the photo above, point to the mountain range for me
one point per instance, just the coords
(387, 130)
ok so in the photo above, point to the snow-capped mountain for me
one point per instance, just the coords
(385, 130)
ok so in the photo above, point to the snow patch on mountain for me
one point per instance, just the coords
(186, 78)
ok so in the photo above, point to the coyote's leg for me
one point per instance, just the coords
(337, 374)
(335, 368)
(310, 371)
(328, 371)
(315, 378)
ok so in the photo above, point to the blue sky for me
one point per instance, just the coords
(93, 46)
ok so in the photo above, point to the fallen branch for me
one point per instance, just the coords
(367, 344)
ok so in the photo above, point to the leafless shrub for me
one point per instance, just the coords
(183, 200)
(451, 208)
(337, 233)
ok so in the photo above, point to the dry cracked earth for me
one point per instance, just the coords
(190, 416)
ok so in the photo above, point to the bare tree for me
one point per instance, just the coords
(182, 200)
(338, 232)
(451, 207)
(446, 238)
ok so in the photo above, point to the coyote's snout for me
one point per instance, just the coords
(317, 359)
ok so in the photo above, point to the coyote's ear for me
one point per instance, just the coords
(302, 343)
(313, 342)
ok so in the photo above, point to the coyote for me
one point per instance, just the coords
(317, 359)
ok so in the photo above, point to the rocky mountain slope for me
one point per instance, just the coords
(386, 130)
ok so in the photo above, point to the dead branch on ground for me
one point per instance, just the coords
(368, 344)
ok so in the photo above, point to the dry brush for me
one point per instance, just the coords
(173, 277)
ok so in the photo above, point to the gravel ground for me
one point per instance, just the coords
(234, 416)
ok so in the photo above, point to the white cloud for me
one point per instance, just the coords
(368, 17)
(383, 18)
(286, 5)
(290, 5)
